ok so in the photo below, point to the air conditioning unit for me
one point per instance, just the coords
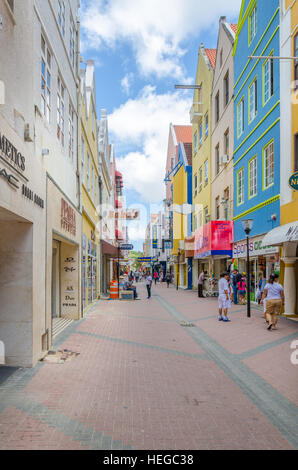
(224, 159)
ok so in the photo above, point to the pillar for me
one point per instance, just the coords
(290, 285)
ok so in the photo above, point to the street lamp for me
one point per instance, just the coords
(247, 225)
(178, 268)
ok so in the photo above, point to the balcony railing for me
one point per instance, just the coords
(196, 113)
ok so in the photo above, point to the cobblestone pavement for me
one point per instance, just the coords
(162, 373)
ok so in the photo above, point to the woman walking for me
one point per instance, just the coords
(242, 290)
(275, 298)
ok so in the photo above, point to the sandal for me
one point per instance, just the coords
(269, 327)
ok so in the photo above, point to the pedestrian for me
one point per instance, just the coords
(201, 283)
(236, 277)
(242, 290)
(261, 286)
(275, 299)
(155, 276)
(223, 297)
(168, 279)
(148, 280)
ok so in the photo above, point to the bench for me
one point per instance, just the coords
(126, 295)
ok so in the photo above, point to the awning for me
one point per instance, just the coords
(108, 249)
(282, 234)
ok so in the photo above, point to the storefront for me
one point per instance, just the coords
(22, 250)
(286, 237)
(264, 259)
(90, 262)
(213, 252)
(109, 261)
(63, 268)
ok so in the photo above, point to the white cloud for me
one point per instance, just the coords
(155, 29)
(126, 82)
(144, 122)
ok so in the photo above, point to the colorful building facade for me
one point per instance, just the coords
(90, 189)
(201, 118)
(257, 132)
(182, 217)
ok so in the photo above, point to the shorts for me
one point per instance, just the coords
(273, 306)
(222, 301)
(241, 292)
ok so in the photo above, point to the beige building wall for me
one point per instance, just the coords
(22, 196)
(222, 174)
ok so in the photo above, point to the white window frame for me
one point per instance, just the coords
(252, 171)
(240, 118)
(253, 24)
(253, 100)
(71, 132)
(46, 80)
(60, 112)
(72, 42)
(268, 155)
(240, 186)
(61, 16)
(206, 175)
(83, 161)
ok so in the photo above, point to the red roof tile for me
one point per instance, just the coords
(211, 54)
(234, 27)
(188, 152)
(183, 133)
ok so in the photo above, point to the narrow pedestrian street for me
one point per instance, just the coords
(162, 373)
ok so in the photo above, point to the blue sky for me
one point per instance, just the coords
(141, 48)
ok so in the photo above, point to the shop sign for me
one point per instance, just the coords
(11, 153)
(29, 194)
(154, 236)
(293, 181)
(11, 180)
(68, 218)
(214, 238)
(256, 248)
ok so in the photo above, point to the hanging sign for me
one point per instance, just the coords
(293, 181)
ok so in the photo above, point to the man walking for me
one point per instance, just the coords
(235, 278)
(148, 280)
(201, 283)
(223, 297)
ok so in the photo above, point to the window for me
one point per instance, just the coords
(200, 179)
(83, 161)
(268, 80)
(240, 186)
(72, 44)
(217, 159)
(226, 203)
(240, 118)
(217, 107)
(70, 132)
(206, 172)
(92, 182)
(201, 134)
(196, 185)
(60, 111)
(206, 125)
(252, 25)
(226, 89)
(206, 215)
(200, 219)
(296, 153)
(61, 16)
(196, 222)
(172, 163)
(296, 61)
(88, 172)
(268, 165)
(96, 190)
(46, 59)
(217, 208)
(252, 177)
(93, 123)
(227, 142)
(196, 142)
(252, 101)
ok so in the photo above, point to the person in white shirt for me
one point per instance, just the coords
(275, 298)
(148, 280)
(223, 297)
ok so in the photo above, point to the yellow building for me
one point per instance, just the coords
(89, 188)
(182, 226)
(201, 115)
(286, 236)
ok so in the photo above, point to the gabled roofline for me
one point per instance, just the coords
(242, 18)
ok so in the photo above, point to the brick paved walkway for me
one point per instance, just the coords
(142, 380)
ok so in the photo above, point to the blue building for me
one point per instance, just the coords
(257, 133)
